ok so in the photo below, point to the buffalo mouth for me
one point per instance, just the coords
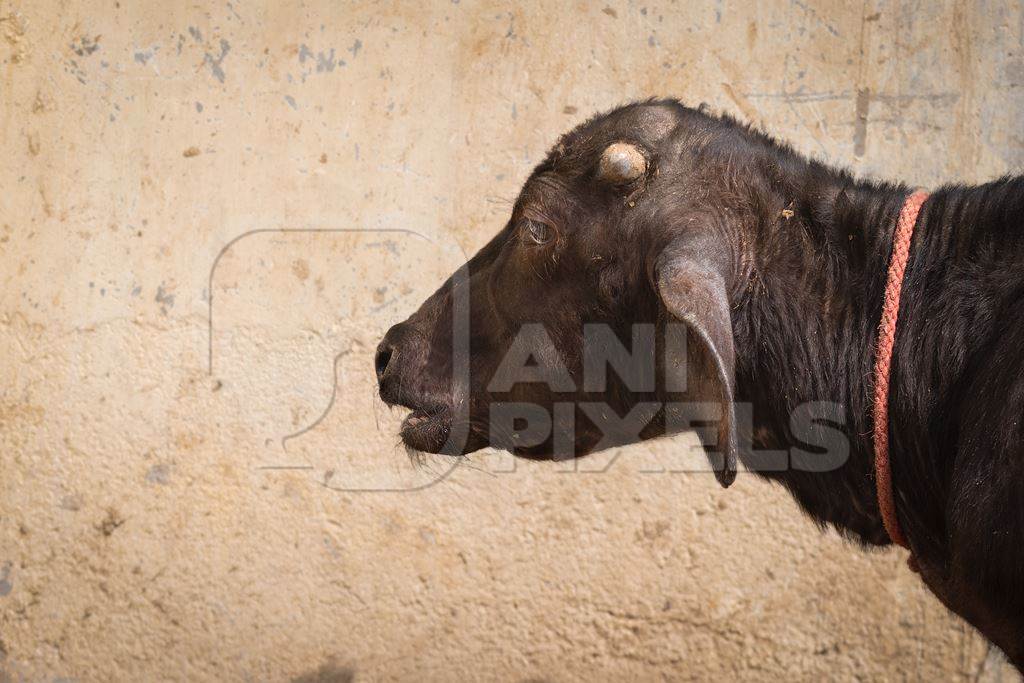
(427, 429)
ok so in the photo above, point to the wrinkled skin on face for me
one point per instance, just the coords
(611, 231)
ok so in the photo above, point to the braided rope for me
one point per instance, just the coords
(883, 361)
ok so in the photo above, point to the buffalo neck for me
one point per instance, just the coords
(806, 330)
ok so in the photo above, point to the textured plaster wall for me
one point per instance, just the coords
(162, 518)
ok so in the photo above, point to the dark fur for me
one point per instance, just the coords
(805, 291)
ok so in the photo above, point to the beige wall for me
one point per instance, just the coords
(146, 528)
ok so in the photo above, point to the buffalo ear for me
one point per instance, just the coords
(691, 276)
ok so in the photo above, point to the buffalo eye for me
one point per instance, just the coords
(537, 232)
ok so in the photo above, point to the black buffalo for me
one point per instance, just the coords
(655, 216)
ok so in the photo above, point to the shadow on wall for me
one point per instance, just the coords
(328, 672)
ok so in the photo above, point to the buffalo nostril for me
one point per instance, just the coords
(382, 359)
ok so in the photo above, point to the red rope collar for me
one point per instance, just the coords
(883, 360)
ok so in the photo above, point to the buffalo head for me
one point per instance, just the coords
(599, 315)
